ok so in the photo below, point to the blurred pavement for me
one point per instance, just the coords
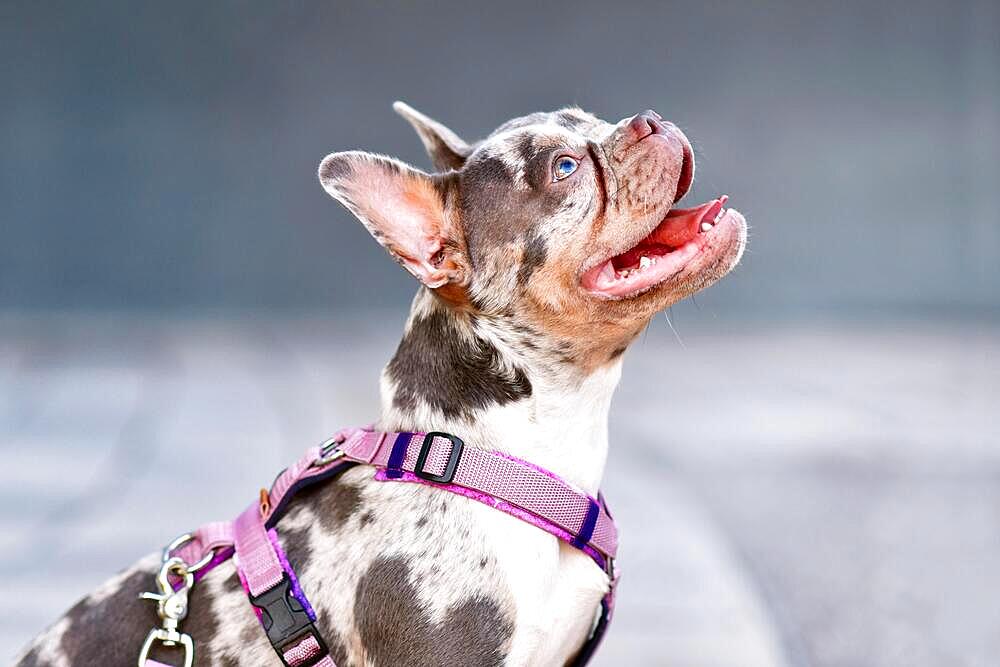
(789, 494)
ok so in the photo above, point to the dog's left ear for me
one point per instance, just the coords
(445, 148)
(404, 209)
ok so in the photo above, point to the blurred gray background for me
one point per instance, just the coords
(816, 483)
(164, 156)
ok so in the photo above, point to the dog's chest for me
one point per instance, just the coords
(408, 574)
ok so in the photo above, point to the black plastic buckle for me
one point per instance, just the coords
(285, 620)
(449, 470)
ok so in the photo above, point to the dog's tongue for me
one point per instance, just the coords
(681, 224)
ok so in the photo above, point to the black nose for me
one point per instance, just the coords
(644, 124)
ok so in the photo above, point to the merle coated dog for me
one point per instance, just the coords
(542, 252)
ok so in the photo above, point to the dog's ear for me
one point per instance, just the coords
(404, 209)
(445, 148)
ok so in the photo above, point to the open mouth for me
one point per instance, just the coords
(664, 253)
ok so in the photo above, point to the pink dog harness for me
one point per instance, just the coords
(436, 459)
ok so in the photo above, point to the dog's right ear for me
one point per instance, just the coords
(404, 209)
(446, 150)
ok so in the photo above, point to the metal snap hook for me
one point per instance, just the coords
(171, 606)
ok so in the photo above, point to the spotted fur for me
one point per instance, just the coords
(468, 372)
(501, 347)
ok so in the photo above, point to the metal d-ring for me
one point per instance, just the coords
(180, 541)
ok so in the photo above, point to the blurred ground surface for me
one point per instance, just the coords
(801, 495)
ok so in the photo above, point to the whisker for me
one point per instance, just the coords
(666, 315)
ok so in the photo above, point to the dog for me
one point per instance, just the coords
(542, 251)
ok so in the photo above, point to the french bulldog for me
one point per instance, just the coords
(542, 251)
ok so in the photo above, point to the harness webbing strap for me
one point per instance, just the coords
(257, 560)
(308, 649)
(501, 481)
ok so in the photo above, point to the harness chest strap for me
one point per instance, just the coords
(506, 483)
(502, 481)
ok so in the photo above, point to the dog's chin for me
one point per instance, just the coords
(691, 249)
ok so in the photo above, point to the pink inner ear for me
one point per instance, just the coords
(406, 211)
(421, 264)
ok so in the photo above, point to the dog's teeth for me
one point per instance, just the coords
(644, 262)
(718, 216)
(705, 226)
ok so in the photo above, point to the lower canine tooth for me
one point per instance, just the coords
(644, 262)
(705, 226)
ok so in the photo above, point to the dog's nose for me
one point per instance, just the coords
(644, 124)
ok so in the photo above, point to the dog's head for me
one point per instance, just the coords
(559, 221)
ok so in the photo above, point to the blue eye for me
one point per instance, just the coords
(564, 167)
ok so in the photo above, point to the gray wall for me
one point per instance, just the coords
(163, 155)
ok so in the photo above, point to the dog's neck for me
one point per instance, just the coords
(477, 378)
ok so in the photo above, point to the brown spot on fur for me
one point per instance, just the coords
(338, 651)
(475, 633)
(297, 546)
(31, 659)
(571, 121)
(486, 186)
(525, 147)
(534, 256)
(110, 632)
(232, 585)
(495, 212)
(437, 364)
(338, 505)
(250, 633)
(333, 504)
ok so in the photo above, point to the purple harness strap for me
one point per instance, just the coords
(437, 459)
